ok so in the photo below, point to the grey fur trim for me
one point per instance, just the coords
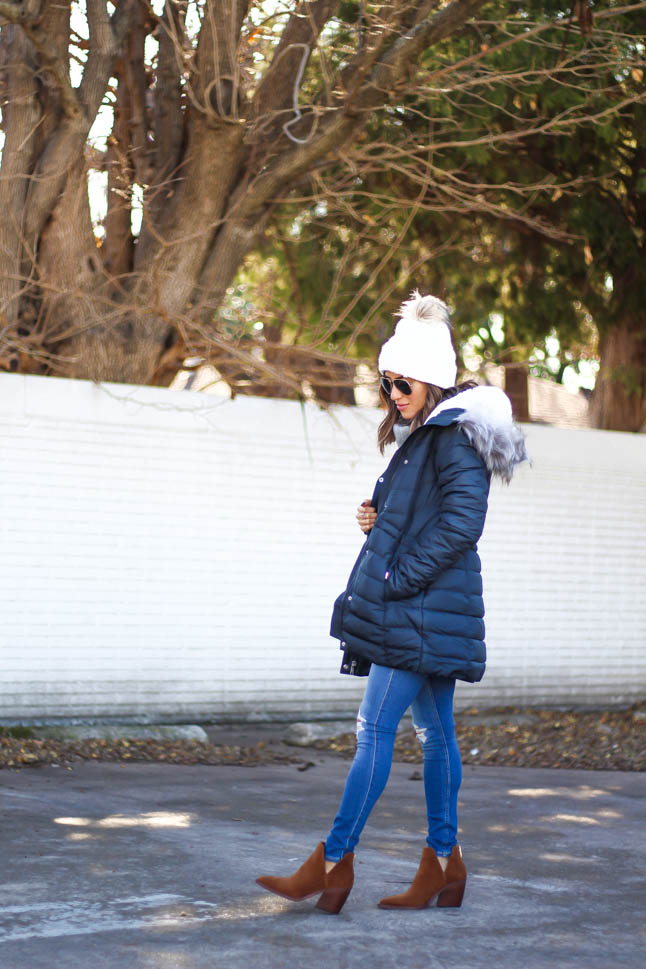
(501, 446)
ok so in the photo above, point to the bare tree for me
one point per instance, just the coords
(218, 116)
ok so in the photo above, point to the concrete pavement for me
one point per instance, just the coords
(150, 866)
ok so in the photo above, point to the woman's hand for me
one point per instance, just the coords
(366, 516)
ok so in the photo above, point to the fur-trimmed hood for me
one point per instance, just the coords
(485, 415)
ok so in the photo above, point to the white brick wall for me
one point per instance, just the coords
(176, 555)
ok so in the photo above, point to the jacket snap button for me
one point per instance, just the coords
(406, 461)
(349, 598)
(343, 644)
(381, 479)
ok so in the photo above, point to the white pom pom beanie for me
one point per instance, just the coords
(421, 346)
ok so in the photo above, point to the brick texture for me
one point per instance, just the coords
(175, 556)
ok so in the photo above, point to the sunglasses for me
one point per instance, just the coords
(402, 386)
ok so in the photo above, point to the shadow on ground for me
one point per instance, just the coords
(148, 866)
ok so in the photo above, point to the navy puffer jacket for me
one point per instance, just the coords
(414, 597)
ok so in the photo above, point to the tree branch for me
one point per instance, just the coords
(275, 90)
(342, 122)
(409, 48)
(167, 114)
(48, 56)
(217, 74)
(66, 144)
(103, 50)
(134, 76)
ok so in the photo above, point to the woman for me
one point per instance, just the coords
(412, 613)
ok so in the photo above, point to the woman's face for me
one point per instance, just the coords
(408, 405)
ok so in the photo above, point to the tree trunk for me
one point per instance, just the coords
(517, 389)
(20, 123)
(618, 402)
(118, 248)
(74, 306)
(332, 381)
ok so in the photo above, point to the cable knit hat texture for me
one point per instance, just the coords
(421, 346)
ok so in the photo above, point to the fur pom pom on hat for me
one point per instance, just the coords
(421, 346)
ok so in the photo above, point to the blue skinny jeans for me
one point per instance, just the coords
(388, 695)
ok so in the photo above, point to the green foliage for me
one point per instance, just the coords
(514, 185)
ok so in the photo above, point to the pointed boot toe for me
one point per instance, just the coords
(307, 881)
(312, 879)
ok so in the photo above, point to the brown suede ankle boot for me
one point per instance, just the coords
(455, 878)
(432, 883)
(311, 878)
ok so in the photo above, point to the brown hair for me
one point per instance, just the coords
(435, 395)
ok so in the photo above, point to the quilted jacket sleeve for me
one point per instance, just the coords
(464, 488)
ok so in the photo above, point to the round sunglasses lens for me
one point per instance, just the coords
(402, 386)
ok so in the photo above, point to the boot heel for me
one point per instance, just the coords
(332, 900)
(451, 897)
